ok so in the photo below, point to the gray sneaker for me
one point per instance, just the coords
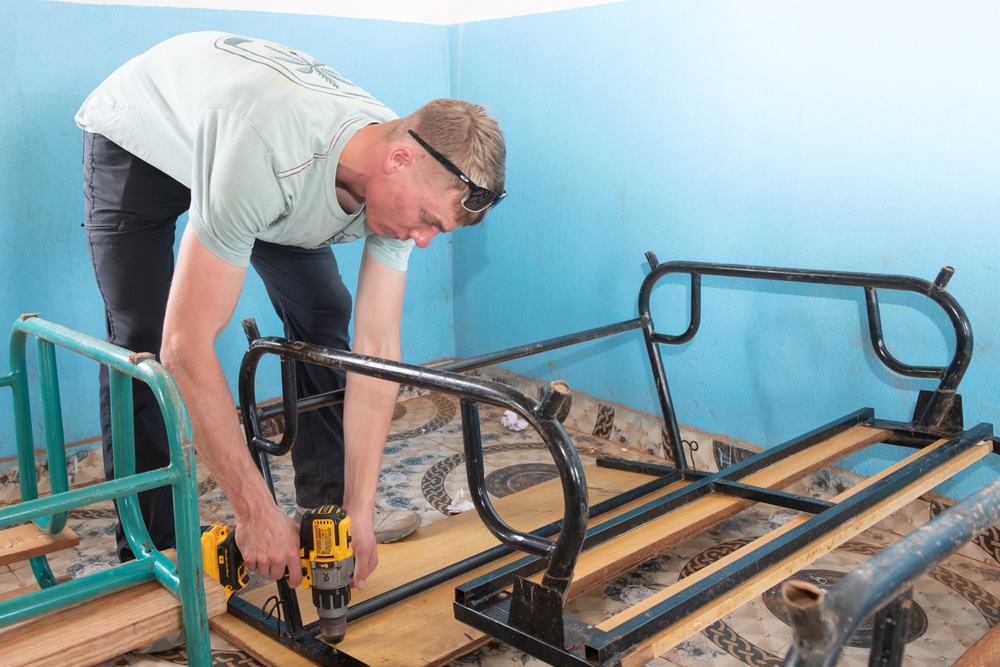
(391, 525)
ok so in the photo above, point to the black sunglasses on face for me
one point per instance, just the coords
(478, 198)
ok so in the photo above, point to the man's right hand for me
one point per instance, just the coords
(270, 546)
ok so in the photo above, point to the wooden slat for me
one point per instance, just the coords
(102, 628)
(626, 552)
(755, 586)
(28, 541)
(424, 630)
(984, 653)
(259, 647)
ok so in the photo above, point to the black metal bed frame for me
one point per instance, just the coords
(529, 615)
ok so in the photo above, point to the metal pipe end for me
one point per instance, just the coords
(553, 397)
(805, 606)
(138, 357)
(28, 316)
(801, 594)
(943, 276)
(250, 329)
(651, 258)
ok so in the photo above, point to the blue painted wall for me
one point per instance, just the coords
(846, 136)
(834, 135)
(54, 54)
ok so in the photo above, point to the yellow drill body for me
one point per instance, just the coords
(327, 565)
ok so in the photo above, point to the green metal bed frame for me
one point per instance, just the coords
(185, 579)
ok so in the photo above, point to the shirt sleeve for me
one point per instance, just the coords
(394, 254)
(234, 192)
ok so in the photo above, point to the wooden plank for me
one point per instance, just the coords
(626, 552)
(28, 541)
(424, 629)
(102, 628)
(259, 647)
(653, 600)
(984, 653)
(753, 587)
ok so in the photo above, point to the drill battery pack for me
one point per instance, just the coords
(222, 559)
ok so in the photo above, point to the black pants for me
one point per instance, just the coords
(131, 210)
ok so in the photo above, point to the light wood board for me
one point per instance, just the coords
(423, 630)
(984, 653)
(28, 541)
(102, 628)
(754, 586)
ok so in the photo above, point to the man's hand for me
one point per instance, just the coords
(365, 549)
(270, 546)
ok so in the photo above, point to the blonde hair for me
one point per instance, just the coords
(468, 136)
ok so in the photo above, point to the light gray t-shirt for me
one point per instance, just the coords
(254, 129)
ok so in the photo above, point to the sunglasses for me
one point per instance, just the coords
(478, 199)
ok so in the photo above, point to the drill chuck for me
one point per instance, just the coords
(331, 591)
(327, 566)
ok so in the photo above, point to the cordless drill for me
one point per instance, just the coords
(327, 566)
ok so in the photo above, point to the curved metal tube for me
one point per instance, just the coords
(564, 551)
(462, 365)
(882, 351)
(252, 415)
(950, 376)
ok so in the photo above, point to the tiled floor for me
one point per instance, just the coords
(423, 469)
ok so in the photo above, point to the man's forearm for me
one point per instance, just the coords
(368, 403)
(266, 537)
(218, 439)
(368, 406)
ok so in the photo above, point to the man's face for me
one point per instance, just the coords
(403, 206)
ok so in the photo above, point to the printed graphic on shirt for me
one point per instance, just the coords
(297, 67)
